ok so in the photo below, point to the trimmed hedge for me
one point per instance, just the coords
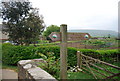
(104, 55)
(12, 54)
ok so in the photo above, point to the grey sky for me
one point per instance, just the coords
(80, 14)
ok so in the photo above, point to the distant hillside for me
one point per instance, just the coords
(97, 33)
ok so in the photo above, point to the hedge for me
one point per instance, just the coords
(104, 55)
(12, 54)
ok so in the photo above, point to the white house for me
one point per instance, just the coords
(2, 36)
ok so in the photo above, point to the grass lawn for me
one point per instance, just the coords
(10, 67)
(87, 75)
(44, 44)
(79, 75)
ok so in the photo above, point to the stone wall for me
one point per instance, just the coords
(28, 70)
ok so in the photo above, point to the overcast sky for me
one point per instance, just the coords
(80, 14)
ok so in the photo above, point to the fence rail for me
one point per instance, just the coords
(90, 64)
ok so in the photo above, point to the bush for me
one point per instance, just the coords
(51, 65)
(109, 55)
(104, 55)
(12, 54)
(7, 44)
(42, 41)
(56, 50)
(89, 52)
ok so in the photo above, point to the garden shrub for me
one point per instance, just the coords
(12, 54)
(109, 55)
(45, 49)
(42, 41)
(7, 44)
(89, 52)
(72, 57)
(56, 50)
(51, 65)
(104, 55)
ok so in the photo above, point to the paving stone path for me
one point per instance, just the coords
(8, 74)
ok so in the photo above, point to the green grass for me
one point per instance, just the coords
(113, 70)
(80, 75)
(44, 44)
(4, 66)
(101, 43)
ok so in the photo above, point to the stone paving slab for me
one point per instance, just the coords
(0, 74)
(8, 74)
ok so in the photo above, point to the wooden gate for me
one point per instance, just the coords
(99, 69)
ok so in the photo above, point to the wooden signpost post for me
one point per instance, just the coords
(63, 36)
(63, 52)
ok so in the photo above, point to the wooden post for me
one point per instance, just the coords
(79, 59)
(63, 52)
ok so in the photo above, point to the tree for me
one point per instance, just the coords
(22, 22)
(34, 26)
(109, 35)
(50, 29)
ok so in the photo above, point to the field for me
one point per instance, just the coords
(98, 44)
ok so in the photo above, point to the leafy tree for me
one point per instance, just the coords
(34, 26)
(50, 29)
(109, 35)
(22, 22)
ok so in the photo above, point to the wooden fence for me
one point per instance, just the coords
(99, 69)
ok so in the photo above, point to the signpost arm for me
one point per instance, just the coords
(63, 52)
